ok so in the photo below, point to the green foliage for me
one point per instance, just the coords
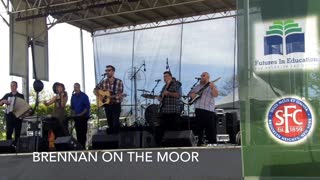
(2, 124)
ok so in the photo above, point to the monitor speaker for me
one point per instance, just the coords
(136, 139)
(178, 139)
(105, 141)
(67, 143)
(7, 147)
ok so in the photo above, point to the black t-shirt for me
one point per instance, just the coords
(5, 97)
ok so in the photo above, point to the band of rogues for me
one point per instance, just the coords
(110, 93)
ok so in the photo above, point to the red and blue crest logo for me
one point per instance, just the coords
(290, 120)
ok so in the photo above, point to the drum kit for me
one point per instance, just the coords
(149, 111)
(150, 115)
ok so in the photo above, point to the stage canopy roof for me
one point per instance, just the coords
(95, 15)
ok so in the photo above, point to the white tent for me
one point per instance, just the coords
(260, 90)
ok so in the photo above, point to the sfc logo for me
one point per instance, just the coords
(290, 120)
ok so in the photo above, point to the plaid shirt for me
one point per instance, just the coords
(170, 104)
(106, 85)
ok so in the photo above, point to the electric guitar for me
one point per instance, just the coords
(199, 93)
(106, 97)
(162, 97)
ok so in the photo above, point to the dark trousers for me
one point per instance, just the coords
(81, 126)
(169, 122)
(13, 123)
(113, 114)
(206, 121)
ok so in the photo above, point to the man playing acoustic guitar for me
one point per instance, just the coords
(110, 93)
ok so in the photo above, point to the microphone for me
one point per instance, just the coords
(104, 74)
(157, 80)
(167, 67)
(197, 78)
(144, 65)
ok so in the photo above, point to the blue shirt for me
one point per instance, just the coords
(80, 102)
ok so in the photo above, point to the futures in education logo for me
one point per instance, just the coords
(283, 45)
(284, 37)
(290, 120)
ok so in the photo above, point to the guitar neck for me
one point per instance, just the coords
(216, 80)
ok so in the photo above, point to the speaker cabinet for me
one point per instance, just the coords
(221, 123)
(105, 141)
(233, 126)
(7, 147)
(136, 139)
(31, 144)
(67, 143)
(178, 139)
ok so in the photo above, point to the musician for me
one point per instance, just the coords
(204, 109)
(12, 122)
(59, 112)
(112, 110)
(169, 105)
(80, 107)
(181, 105)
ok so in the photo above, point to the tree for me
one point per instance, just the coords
(43, 95)
(229, 85)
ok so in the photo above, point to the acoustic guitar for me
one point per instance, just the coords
(106, 97)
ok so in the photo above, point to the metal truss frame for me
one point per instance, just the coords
(68, 11)
(166, 23)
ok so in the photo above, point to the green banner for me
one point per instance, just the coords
(279, 75)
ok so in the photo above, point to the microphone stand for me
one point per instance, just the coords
(152, 92)
(98, 108)
(194, 85)
(134, 77)
(188, 106)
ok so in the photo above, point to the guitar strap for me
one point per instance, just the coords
(114, 86)
(166, 89)
(203, 88)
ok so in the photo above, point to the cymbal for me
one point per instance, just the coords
(148, 96)
(143, 90)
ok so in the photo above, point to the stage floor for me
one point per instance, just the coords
(180, 163)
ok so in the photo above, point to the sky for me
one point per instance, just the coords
(207, 46)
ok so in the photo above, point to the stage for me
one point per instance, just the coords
(212, 162)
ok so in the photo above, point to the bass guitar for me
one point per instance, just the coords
(199, 93)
